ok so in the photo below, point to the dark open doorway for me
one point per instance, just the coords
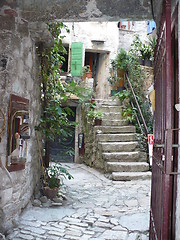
(63, 148)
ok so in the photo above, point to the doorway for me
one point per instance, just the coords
(63, 148)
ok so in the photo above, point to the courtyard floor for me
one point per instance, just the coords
(96, 209)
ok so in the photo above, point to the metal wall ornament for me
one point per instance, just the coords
(17, 132)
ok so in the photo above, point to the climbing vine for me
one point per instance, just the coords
(54, 119)
(137, 78)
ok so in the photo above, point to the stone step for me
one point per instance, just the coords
(108, 102)
(113, 137)
(128, 176)
(115, 129)
(112, 116)
(114, 122)
(126, 167)
(118, 146)
(122, 157)
(110, 109)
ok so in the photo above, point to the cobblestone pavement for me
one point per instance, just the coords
(96, 209)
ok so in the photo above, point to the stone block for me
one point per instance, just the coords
(56, 233)
(7, 23)
(22, 28)
(110, 235)
(138, 222)
(6, 196)
(10, 12)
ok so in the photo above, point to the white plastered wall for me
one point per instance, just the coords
(110, 38)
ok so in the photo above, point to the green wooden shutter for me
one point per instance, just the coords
(76, 58)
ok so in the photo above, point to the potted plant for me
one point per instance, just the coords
(112, 79)
(122, 59)
(117, 71)
(95, 116)
(135, 49)
(146, 54)
(86, 72)
(53, 179)
(128, 112)
(98, 117)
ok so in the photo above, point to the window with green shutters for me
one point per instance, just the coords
(76, 58)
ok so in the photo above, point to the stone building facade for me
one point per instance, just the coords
(19, 76)
(102, 41)
(16, 42)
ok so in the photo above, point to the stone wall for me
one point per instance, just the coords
(90, 144)
(104, 38)
(80, 10)
(19, 76)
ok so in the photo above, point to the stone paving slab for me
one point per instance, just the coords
(96, 209)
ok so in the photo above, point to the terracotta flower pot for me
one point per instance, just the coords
(50, 192)
(89, 74)
(98, 122)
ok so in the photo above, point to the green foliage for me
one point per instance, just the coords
(94, 113)
(54, 92)
(122, 60)
(54, 173)
(85, 70)
(142, 50)
(152, 43)
(146, 52)
(136, 77)
(136, 46)
(54, 121)
(128, 112)
(112, 79)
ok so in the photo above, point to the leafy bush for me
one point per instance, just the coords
(54, 119)
(54, 173)
(136, 77)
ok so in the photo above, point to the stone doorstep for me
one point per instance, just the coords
(119, 137)
(128, 176)
(109, 102)
(114, 122)
(118, 146)
(111, 109)
(115, 129)
(112, 116)
(121, 156)
(127, 167)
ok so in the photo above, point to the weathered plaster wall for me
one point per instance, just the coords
(87, 31)
(112, 39)
(81, 10)
(103, 86)
(100, 31)
(20, 77)
(126, 37)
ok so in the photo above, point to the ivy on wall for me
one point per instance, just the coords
(55, 92)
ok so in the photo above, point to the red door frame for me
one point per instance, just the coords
(162, 215)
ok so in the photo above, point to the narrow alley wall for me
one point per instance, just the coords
(18, 76)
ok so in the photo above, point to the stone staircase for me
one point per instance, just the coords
(118, 146)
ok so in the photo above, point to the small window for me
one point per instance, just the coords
(64, 66)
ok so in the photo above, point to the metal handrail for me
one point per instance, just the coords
(137, 104)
